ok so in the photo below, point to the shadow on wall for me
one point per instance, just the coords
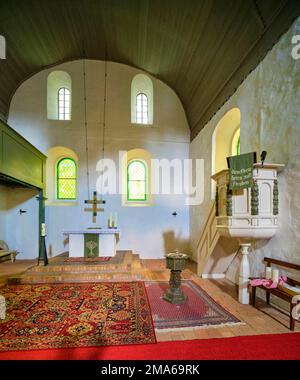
(172, 242)
(222, 256)
(18, 195)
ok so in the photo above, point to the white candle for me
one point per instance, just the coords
(110, 221)
(275, 275)
(116, 220)
(268, 273)
(43, 229)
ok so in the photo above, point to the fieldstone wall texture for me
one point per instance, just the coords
(269, 101)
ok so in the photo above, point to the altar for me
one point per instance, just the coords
(93, 242)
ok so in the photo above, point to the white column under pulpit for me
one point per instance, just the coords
(107, 238)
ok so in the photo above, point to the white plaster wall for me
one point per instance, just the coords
(19, 231)
(269, 101)
(149, 231)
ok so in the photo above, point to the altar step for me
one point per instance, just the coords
(75, 277)
(125, 266)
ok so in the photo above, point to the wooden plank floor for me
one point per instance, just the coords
(262, 319)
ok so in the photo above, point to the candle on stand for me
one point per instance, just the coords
(43, 229)
(110, 222)
(268, 273)
(275, 275)
(116, 220)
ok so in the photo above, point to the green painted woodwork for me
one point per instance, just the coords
(217, 200)
(42, 244)
(91, 245)
(275, 198)
(254, 198)
(20, 160)
(238, 147)
(228, 201)
(22, 163)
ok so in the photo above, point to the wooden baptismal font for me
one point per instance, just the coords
(176, 263)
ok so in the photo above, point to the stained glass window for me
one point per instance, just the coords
(136, 181)
(141, 109)
(238, 147)
(64, 104)
(66, 179)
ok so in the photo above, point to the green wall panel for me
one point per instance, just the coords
(19, 159)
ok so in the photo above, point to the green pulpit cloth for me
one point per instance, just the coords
(241, 171)
(91, 245)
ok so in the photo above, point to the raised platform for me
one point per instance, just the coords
(124, 266)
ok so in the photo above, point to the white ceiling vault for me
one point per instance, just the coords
(203, 49)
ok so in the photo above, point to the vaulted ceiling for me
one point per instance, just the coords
(203, 49)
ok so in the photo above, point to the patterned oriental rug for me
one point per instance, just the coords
(200, 310)
(85, 260)
(75, 315)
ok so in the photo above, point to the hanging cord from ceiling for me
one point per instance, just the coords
(104, 118)
(86, 125)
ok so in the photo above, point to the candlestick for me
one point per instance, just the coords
(275, 275)
(268, 273)
(43, 229)
(110, 222)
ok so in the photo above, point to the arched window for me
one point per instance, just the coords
(64, 104)
(142, 100)
(142, 108)
(66, 179)
(137, 181)
(59, 95)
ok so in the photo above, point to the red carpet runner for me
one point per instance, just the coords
(259, 347)
(199, 310)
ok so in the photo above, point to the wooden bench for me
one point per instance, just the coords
(280, 292)
(12, 254)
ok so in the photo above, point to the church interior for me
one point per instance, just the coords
(149, 179)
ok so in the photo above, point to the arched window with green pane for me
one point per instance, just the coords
(66, 179)
(136, 181)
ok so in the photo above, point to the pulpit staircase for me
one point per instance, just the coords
(125, 266)
(214, 253)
